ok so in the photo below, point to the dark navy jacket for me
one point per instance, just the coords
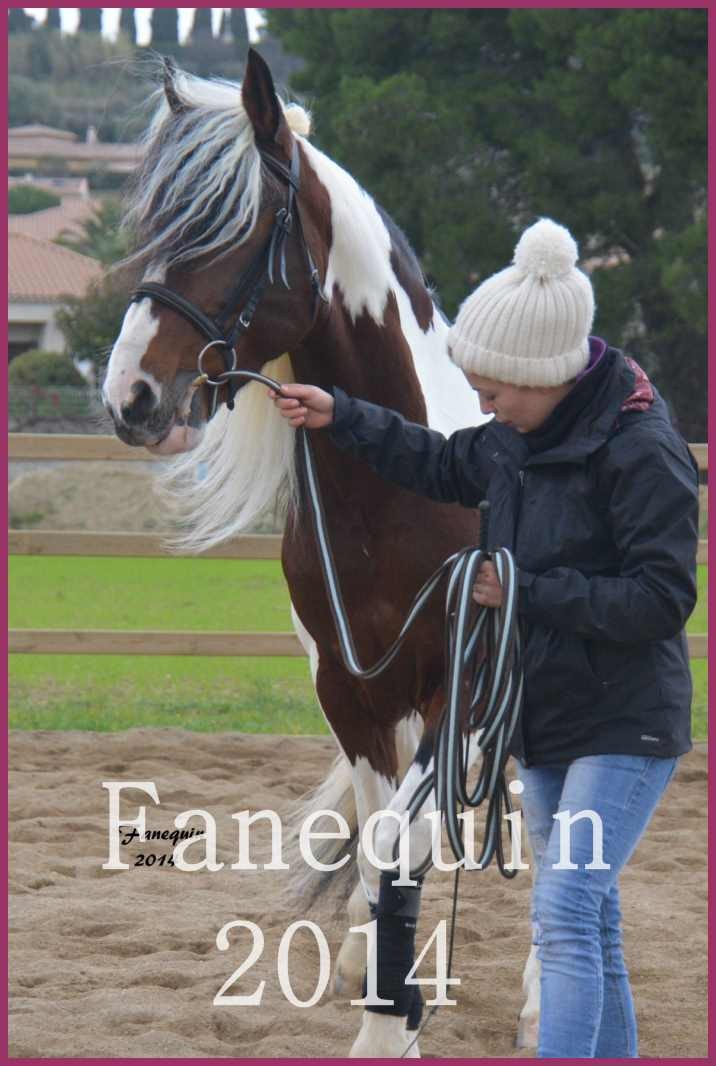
(603, 526)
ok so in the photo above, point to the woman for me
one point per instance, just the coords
(597, 496)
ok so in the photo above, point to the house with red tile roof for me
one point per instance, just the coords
(27, 146)
(40, 275)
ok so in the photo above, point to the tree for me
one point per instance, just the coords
(26, 199)
(90, 19)
(39, 54)
(128, 25)
(32, 101)
(469, 124)
(90, 324)
(632, 176)
(40, 367)
(165, 27)
(52, 22)
(239, 32)
(102, 238)
(201, 26)
(18, 21)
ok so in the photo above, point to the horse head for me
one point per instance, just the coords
(229, 250)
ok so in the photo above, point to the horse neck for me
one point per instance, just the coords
(382, 339)
(366, 359)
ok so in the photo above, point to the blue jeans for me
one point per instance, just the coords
(586, 1008)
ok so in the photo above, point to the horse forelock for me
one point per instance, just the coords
(199, 187)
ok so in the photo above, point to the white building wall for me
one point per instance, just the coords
(25, 313)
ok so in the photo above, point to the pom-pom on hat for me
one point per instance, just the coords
(529, 324)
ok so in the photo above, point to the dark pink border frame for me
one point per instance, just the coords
(711, 5)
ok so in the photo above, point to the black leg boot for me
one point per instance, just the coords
(415, 1014)
(397, 915)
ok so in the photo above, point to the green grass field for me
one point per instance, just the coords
(110, 692)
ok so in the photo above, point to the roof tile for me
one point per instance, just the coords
(41, 270)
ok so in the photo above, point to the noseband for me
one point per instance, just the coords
(260, 272)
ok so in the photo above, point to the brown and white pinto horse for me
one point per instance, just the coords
(203, 203)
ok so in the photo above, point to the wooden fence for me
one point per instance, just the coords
(161, 642)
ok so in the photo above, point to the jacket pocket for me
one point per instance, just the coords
(558, 670)
(627, 671)
(613, 663)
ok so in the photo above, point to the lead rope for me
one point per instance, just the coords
(494, 685)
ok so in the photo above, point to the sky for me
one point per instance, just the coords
(69, 17)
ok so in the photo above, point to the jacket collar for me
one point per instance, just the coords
(592, 428)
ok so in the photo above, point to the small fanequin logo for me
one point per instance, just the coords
(648, 736)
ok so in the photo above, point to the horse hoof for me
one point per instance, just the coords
(384, 1036)
(348, 986)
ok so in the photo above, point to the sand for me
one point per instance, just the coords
(96, 496)
(124, 964)
(92, 496)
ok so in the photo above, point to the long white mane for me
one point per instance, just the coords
(198, 188)
(244, 468)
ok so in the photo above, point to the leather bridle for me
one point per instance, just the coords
(260, 273)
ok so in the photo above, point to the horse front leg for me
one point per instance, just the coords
(374, 791)
(388, 1030)
(350, 964)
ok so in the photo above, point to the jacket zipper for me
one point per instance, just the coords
(521, 476)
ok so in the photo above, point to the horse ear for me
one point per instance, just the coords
(259, 98)
(176, 104)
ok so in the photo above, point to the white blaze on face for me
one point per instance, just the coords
(139, 329)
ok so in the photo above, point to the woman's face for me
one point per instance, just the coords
(520, 406)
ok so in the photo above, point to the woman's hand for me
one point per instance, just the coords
(487, 590)
(304, 405)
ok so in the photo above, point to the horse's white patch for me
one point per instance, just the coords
(450, 401)
(374, 792)
(359, 257)
(309, 644)
(359, 264)
(407, 737)
(382, 1036)
(420, 836)
(139, 328)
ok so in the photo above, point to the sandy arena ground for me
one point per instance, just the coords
(125, 964)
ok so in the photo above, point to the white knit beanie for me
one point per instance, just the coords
(529, 324)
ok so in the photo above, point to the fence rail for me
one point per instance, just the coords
(150, 642)
(162, 642)
(152, 545)
(99, 446)
(138, 545)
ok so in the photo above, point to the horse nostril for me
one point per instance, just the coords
(142, 404)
